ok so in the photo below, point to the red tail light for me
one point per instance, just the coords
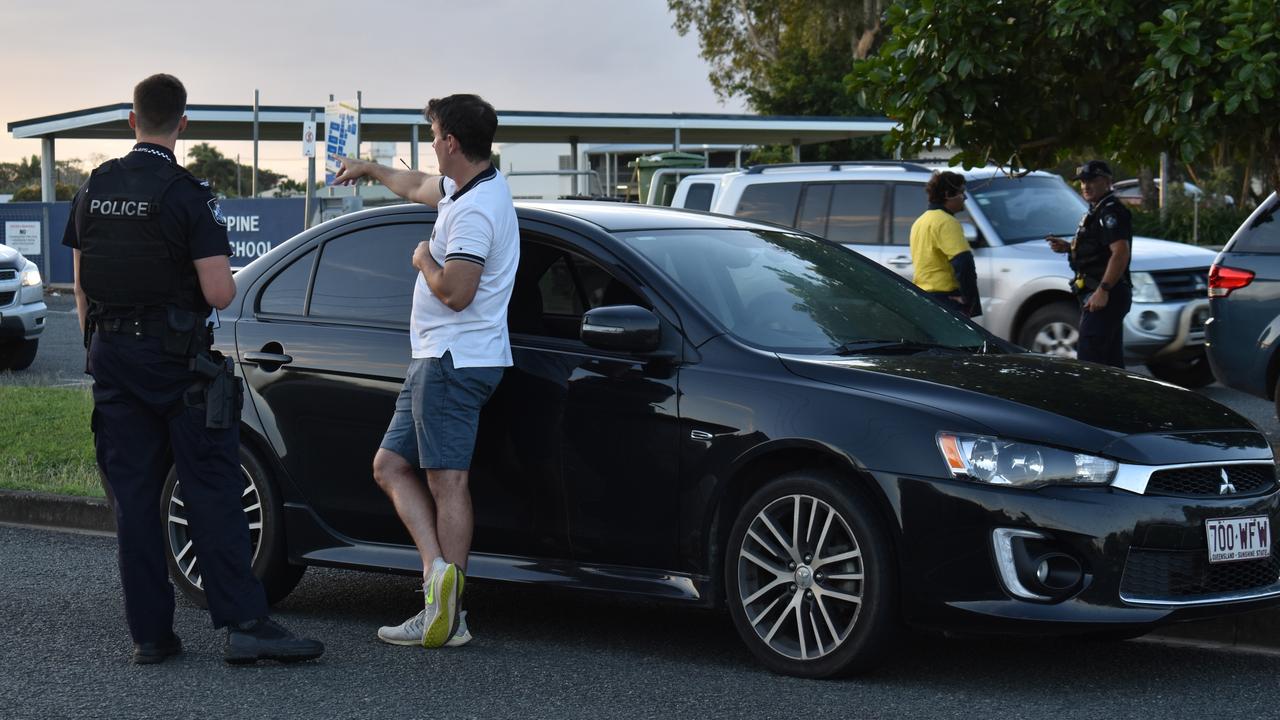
(1223, 279)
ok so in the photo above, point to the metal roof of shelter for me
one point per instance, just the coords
(276, 122)
(282, 123)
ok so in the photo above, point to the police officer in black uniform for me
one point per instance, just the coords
(1099, 256)
(151, 258)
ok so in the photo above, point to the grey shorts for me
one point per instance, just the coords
(438, 412)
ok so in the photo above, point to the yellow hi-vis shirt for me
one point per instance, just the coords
(936, 237)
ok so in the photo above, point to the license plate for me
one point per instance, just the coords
(1233, 539)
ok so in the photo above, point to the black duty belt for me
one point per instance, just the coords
(140, 327)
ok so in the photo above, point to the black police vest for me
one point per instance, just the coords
(1089, 252)
(126, 258)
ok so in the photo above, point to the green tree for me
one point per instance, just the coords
(786, 57)
(1028, 84)
(221, 172)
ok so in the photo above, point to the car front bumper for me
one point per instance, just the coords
(1143, 558)
(1168, 330)
(22, 311)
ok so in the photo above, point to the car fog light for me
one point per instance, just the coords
(1058, 572)
(1148, 320)
(1003, 539)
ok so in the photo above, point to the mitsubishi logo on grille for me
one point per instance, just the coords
(1226, 488)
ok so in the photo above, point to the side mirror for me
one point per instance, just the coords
(971, 235)
(626, 328)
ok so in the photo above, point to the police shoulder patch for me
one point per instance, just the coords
(1110, 221)
(216, 210)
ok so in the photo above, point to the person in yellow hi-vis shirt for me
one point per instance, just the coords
(943, 262)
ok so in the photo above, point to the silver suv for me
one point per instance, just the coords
(870, 207)
(22, 310)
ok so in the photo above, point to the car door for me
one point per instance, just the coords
(339, 315)
(600, 428)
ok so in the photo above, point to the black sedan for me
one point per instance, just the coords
(719, 412)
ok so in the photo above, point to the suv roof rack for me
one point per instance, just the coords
(836, 166)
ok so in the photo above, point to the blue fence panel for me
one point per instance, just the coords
(254, 226)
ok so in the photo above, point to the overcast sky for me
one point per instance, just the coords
(570, 55)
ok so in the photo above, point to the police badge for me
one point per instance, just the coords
(216, 210)
(1110, 221)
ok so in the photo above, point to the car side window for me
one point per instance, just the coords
(771, 202)
(856, 213)
(699, 196)
(1262, 235)
(909, 203)
(554, 287)
(368, 275)
(814, 209)
(286, 293)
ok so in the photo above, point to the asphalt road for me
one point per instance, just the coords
(541, 652)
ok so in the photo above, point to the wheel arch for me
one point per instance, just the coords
(754, 469)
(1041, 299)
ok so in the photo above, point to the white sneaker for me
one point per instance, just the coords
(409, 632)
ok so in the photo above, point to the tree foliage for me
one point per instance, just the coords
(223, 172)
(1028, 83)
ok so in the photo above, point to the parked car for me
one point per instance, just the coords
(717, 412)
(1244, 298)
(1130, 192)
(22, 310)
(870, 206)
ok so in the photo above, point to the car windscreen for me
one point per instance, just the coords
(794, 293)
(1027, 208)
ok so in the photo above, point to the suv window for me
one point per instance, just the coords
(1262, 235)
(771, 202)
(367, 275)
(856, 212)
(699, 196)
(287, 291)
(815, 209)
(909, 203)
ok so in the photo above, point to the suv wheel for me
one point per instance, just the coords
(18, 354)
(1193, 372)
(263, 510)
(1053, 330)
(809, 578)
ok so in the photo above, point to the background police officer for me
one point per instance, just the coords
(1099, 256)
(151, 258)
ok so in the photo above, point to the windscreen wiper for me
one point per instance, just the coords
(876, 346)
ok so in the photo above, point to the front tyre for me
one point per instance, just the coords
(809, 577)
(264, 511)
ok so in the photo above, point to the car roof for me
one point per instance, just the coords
(621, 217)
(916, 171)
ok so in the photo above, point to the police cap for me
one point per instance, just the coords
(1092, 169)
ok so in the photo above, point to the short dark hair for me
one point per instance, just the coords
(943, 185)
(469, 119)
(158, 103)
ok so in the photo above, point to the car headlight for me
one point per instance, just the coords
(1145, 289)
(995, 461)
(30, 275)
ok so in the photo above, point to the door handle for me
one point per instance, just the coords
(900, 261)
(268, 360)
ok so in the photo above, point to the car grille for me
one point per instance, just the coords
(1182, 284)
(1182, 575)
(1207, 481)
(8, 274)
(6, 298)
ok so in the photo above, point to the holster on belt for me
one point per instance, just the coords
(219, 391)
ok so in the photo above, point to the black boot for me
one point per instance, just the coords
(265, 639)
(149, 653)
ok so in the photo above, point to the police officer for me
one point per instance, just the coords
(1099, 256)
(151, 258)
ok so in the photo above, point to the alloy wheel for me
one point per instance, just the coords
(801, 577)
(180, 543)
(1056, 338)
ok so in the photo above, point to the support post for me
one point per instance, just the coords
(1164, 184)
(253, 183)
(48, 178)
(309, 203)
(413, 147)
(795, 150)
(573, 161)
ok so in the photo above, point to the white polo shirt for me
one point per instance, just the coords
(477, 224)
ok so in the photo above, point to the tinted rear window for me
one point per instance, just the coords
(699, 196)
(772, 202)
(1261, 232)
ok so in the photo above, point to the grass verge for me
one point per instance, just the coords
(45, 441)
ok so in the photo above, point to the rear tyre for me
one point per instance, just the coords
(18, 354)
(809, 577)
(1193, 372)
(264, 512)
(1053, 330)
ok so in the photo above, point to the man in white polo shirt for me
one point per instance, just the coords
(458, 336)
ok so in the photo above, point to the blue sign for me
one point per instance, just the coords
(254, 226)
